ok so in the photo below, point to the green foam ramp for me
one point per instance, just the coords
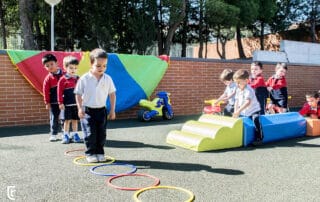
(210, 132)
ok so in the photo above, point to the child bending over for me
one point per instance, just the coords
(246, 103)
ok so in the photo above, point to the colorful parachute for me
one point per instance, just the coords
(134, 76)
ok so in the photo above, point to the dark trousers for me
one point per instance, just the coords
(94, 129)
(228, 110)
(262, 101)
(257, 126)
(54, 119)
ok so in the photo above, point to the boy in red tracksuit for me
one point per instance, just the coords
(277, 86)
(312, 107)
(67, 100)
(49, 89)
(256, 81)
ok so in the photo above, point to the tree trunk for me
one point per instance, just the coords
(184, 31)
(200, 54)
(313, 21)
(262, 36)
(240, 47)
(25, 8)
(159, 28)
(173, 28)
(3, 26)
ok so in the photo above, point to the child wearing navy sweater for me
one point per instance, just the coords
(67, 100)
(277, 86)
(49, 90)
(258, 84)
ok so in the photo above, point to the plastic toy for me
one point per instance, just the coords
(211, 108)
(272, 109)
(159, 106)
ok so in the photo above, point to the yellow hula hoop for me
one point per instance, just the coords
(108, 161)
(137, 193)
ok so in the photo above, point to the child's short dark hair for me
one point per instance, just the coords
(312, 94)
(281, 65)
(70, 60)
(259, 64)
(48, 57)
(226, 75)
(98, 53)
(241, 74)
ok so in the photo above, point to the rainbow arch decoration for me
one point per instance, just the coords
(134, 76)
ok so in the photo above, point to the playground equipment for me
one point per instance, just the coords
(274, 109)
(212, 132)
(211, 108)
(275, 127)
(313, 127)
(159, 106)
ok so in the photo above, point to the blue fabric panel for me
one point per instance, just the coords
(128, 91)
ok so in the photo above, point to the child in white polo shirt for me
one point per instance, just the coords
(92, 91)
(246, 103)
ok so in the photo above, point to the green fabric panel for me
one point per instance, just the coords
(17, 56)
(141, 67)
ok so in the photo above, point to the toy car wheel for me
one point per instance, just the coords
(166, 115)
(142, 115)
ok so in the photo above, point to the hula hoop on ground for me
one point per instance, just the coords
(108, 161)
(68, 152)
(137, 193)
(108, 181)
(134, 169)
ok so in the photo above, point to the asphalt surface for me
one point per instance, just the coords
(34, 169)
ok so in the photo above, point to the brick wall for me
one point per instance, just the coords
(190, 82)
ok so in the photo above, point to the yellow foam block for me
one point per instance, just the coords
(209, 133)
(313, 127)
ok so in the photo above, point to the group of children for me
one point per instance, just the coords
(246, 95)
(81, 98)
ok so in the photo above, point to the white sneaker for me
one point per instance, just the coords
(101, 157)
(53, 138)
(92, 159)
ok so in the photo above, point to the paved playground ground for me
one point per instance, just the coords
(34, 169)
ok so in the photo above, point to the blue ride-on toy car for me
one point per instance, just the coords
(159, 106)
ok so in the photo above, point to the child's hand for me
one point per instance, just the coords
(48, 106)
(269, 88)
(112, 115)
(81, 113)
(61, 106)
(236, 114)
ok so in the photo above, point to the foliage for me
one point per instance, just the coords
(132, 26)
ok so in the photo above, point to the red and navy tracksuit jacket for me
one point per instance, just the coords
(50, 85)
(66, 87)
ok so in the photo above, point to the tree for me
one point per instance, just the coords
(3, 26)
(141, 25)
(25, 11)
(267, 10)
(174, 12)
(247, 15)
(226, 16)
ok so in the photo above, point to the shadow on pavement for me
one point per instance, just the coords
(128, 123)
(181, 167)
(121, 123)
(131, 144)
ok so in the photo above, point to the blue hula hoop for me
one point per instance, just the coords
(133, 170)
